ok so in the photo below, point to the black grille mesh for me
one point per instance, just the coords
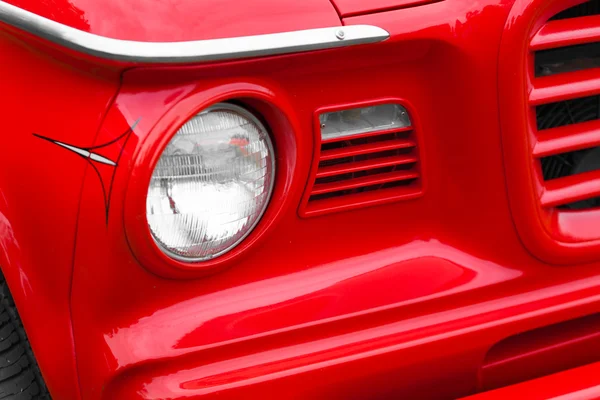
(582, 10)
(569, 112)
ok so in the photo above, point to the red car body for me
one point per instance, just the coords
(472, 284)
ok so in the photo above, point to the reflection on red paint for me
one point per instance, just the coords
(316, 296)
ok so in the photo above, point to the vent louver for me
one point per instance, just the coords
(364, 157)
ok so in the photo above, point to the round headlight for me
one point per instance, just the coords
(211, 185)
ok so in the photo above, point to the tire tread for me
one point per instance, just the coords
(20, 376)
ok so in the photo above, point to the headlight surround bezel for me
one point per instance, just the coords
(245, 113)
(274, 109)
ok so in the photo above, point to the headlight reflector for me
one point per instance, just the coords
(211, 185)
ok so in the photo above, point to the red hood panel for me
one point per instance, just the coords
(182, 20)
(348, 8)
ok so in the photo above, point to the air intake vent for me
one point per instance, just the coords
(365, 156)
(550, 117)
(567, 107)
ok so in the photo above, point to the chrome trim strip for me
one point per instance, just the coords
(191, 51)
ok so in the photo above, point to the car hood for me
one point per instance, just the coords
(183, 20)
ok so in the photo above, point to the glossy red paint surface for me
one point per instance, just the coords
(39, 193)
(350, 8)
(181, 20)
(400, 299)
(567, 33)
(575, 384)
(541, 352)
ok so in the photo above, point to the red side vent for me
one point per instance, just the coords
(366, 168)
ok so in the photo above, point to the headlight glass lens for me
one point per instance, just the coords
(211, 184)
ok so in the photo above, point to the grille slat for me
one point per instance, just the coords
(346, 168)
(369, 180)
(567, 139)
(367, 149)
(571, 189)
(322, 205)
(369, 134)
(567, 86)
(567, 32)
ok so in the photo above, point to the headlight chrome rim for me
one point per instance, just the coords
(245, 113)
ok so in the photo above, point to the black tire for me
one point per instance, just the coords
(20, 376)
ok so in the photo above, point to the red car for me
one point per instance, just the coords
(317, 199)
